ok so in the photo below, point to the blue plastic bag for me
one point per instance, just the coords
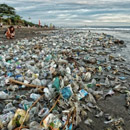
(66, 92)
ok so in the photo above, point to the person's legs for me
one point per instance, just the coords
(12, 36)
(8, 35)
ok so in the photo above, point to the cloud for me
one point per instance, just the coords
(114, 18)
(73, 12)
(24, 8)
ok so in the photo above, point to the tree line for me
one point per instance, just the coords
(8, 16)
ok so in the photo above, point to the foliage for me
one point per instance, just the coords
(8, 16)
(6, 10)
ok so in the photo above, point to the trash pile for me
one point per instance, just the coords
(52, 83)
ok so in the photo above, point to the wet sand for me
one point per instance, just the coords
(114, 105)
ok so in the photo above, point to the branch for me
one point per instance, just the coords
(74, 114)
(69, 115)
(28, 111)
(21, 128)
(27, 85)
(50, 109)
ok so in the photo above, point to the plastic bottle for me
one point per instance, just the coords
(68, 70)
(3, 95)
(35, 96)
(56, 84)
(43, 112)
(47, 93)
(122, 78)
(17, 119)
(48, 58)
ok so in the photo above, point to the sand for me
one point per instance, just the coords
(22, 33)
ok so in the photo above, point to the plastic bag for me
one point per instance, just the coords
(66, 92)
(56, 84)
(18, 119)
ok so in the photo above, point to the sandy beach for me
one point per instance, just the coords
(113, 105)
(65, 65)
(22, 33)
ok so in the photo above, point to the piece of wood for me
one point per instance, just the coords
(51, 109)
(27, 85)
(68, 118)
(74, 114)
(28, 111)
(98, 85)
(18, 128)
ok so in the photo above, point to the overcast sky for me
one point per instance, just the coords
(74, 12)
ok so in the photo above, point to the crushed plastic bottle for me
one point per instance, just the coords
(35, 96)
(43, 112)
(3, 95)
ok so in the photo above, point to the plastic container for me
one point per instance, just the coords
(43, 112)
(17, 119)
(35, 96)
(82, 93)
(56, 84)
(3, 95)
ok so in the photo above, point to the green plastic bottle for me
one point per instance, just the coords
(56, 84)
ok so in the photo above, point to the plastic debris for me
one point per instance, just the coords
(61, 80)
(66, 92)
(18, 119)
(82, 93)
(35, 96)
(3, 95)
(56, 84)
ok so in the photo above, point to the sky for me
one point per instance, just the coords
(74, 12)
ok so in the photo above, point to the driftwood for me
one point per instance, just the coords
(27, 85)
(51, 109)
(68, 118)
(19, 128)
(74, 115)
(28, 112)
(98, 85)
